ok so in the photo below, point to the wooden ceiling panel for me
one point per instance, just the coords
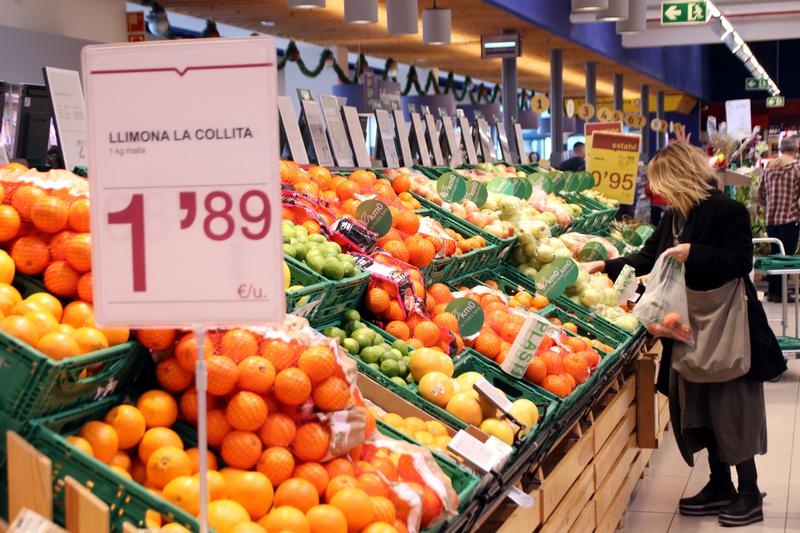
(326, 27)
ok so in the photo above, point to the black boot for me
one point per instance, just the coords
(745, 509)
(715, 495)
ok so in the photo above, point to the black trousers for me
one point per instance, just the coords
(788, 235)
(721, 472)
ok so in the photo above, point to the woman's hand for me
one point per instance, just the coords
(594, 266)
(679, 252)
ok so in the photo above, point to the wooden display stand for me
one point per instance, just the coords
(585, 482)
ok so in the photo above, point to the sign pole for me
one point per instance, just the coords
(201, 385)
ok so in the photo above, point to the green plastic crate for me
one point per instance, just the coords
(305, 301)
(464, 482)
(433, 173)
(342, 295)
(595, 215)
(597, 322)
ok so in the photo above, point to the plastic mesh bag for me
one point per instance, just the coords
(663, 309)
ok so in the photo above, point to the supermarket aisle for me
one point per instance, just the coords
(655, 500)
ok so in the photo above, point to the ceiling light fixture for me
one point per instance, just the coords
(267, 23)
(588, 6)
(637, 18)
(617, 10)
(360, 11)
(157, 21)
(436, 25)
(306, 4)
(402, 17)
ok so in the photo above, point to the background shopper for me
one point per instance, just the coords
(780, 191)
(710, 234)
(576, 163)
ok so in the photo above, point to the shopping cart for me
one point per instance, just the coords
(784, 266)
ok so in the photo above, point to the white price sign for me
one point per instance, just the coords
(69, 112)
(184, 183)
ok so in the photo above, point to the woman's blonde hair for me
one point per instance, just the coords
(682, 175)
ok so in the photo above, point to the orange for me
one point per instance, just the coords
(218, 427)
(49, 214)
(317, 362)
(315, 473)
(84, 288)
(338, 483)
(253, 491)
(9, 223)
(79, 252)
(7, 267)
(558, 385)
(278, 353)
(256, 374)
(292, 386)
(129, 424)
(225, 515)
(169, 373)
(372, 484)
(158, 408)
(285, 519)
(167, 463)
(186, 350)
(365, 178)
(311, 442)
(154, 339)
(241, 449)
(397, 249)
(184, 493)
(575, 344)
(509, 331)
(278, 430)
(419, 289)
(536, 371)
(420, 251)
(57, 345)
(31, 254)
(277, 463)
(58, 244)
(333, 394)
(102, 438)
(188, 405)
(326, 519)
(92, 340)
(238, 344)
(385, 467)
(194, 457)
(401, 183)
(576, 365)
(24, 198)
(246, 411)
(172, 527)
(222, 375)
(571, 327)
(380, 527)
(356, 506)
(138, 471)
(155, 438)
(76, 314)
(428, 332)
(298, 493)
(395, 311)
(447, 320)
(339, 467)
(248, 527)
(122, 460)
(82, 444)
(217, 485)
(122, 472)
(11, 296)
(26, 306)
(407, 222)
(49, 302)
(79, 215)
(309, 188)
(415, 343)
(488, 344)
(312, 227)
(291, 173)
(553, 362)
(398, 329)
(23, 328)
(384, 509)
(377, 300)
(346, 189)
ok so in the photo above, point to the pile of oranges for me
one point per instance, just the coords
(46, 231)
(560, 366)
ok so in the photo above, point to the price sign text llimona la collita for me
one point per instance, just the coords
(614, 162)
(186, 196)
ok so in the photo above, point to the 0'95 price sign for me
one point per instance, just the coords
(613, 162)
(185, 188)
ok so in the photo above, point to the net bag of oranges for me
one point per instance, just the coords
(663, 309)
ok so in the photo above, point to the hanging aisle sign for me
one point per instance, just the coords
(69, 113)
(184, 179)
(614, 162)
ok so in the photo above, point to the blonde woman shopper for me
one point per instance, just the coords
(710, 234)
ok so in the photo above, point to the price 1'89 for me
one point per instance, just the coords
(218, 206)
(614, 180)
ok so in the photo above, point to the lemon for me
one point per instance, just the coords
(436, 387)
(533, 411)
(499, 429)
(287, 276)
(465, 407)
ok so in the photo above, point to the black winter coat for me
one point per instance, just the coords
(722, 250)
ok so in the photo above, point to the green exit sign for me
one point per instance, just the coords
(678, 13)
(756, 84)
(776, 101)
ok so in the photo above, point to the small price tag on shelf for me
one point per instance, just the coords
(482, 456)
(193, 181)
(528, 340)
(493, 394)
(614, 162)
(520, 498)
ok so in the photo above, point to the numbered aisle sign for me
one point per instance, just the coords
(614, 162)
(66, 97)
(184, 183)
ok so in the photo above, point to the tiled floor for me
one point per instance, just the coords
(655, 500)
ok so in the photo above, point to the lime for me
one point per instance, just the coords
(403, 364)
(352, 346)
(382, 344)
(349, 270)
(370, 355)
(410, 379)
(398, 355)
(351, 315)
(346, 259)
(351, 327)
(289, 250)
(317, 263)
(388, 355)
(401, 346)
(300, 250)
(399, 381)
(317, 238)
(390, 368)
(334, 247)
(289, 233)
(337, 333)
(374, 366)
(301, 232)
(362, 339)
(333, 268)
